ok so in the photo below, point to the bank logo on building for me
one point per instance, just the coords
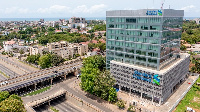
(160, 12)
(154, 12)
(156, 79)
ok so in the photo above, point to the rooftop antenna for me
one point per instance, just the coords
(169, 6)
(162, 4)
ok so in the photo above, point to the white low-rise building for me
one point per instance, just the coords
(9, 45)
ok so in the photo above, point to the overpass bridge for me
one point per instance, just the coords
(34, 80)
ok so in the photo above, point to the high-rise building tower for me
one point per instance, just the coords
(142, 51)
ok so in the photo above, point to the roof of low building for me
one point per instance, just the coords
(10, 42)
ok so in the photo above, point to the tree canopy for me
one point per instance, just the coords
(96, 80)
(50, 60)
(191, 32)
(10, 103)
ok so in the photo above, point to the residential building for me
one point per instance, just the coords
(9, 45)
(62, 49)
(80, 49)
(143, 52)
(74, 22)
(197, 20)
(57, 45)
(33, 50)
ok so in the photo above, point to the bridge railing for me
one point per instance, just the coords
(29, 75)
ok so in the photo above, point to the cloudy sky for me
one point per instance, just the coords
(87, 8)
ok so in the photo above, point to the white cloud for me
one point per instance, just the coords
(54, 9)
(188, 8)
(15, 10)
(92, 9)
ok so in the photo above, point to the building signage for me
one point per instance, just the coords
(154, 12)
(146, 77)
(138, 75)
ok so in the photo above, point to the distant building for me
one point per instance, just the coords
(63, 49)
(197, 20)
(57, 45)
(99, 33)
(8, 45)
(80, 49)
(33, 50)
(74, 22)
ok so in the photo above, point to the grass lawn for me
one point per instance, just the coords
(38, 91)
(192, 99)
(54, 109)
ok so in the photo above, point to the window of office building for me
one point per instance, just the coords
(118, 32)
(119, 26)
(130, 26)
(119, 38)
(154, 34)
(154, 20)
(120, 20)
(154, 61)
(121, 44)
(153, 47)
(111, 31)
(154, 27)
(142, 20)
(154, 41)
(110, 19)
(131, 20)
(152, 54)
(130, 33)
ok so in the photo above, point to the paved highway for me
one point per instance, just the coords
(65, 106)
(64, 85)
(12, 62)
(7, 71)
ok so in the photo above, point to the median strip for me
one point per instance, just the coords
(38, 91)
(4, 74)
(54, 109)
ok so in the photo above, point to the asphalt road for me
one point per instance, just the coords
(11, 61)
(65, 107)
(65, 86)
(7, 71)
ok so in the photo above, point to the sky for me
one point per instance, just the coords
(88, 8)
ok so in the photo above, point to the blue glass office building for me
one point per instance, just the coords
(143, 46)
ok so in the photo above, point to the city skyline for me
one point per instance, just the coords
(87, 8)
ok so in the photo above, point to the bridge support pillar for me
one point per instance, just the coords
(49, 103)
(51, 81)
(64, 76)
(35, 86)
(76, 73)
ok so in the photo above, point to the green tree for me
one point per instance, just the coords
(120, 104)
(112, 95)
(96, 80)
(21, 51)
(56, 60)
(12, 105)
(4, 95)
(183, 48)
(45, 61)
(79, 28)
(33, 59)
(51, 29)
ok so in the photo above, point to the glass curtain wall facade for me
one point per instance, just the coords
(144, 41)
